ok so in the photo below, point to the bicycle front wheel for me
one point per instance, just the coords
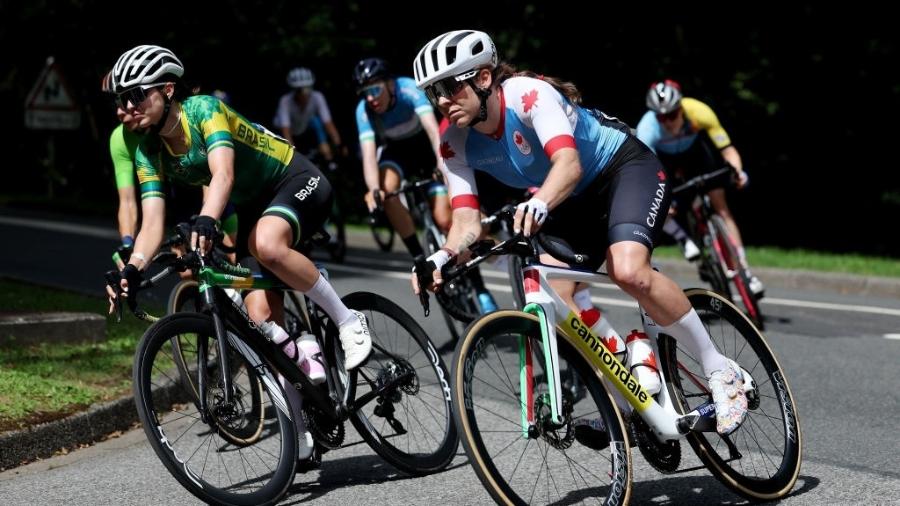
(761, 459)
(193, 445)
(585, 459)
(409, 424)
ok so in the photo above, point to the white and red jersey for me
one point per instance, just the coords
(537, 120)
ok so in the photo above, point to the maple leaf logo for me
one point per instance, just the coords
(650, 361)
(519, 138)
(611, 343)
(661, 175)
(529, 99)
(446, 152)
(635, 335)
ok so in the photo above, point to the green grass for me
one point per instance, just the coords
(767, 256)
(48, 381)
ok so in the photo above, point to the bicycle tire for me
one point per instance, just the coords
(194, 451)
(735, 336)
(185, 296)
(492, 341)
(424, 399)
(740, 279)
(382, 231)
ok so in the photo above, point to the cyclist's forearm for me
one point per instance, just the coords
(127, 215)
(146, 244)
(370, 165)
(221, 165)
(333, 133)
(465, 229)
(562, 179)
(731, 155)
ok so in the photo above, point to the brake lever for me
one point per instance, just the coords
(422, 267)
(114, 280)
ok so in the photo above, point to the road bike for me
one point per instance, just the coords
(719, 262)
(195, 407)
(532, 397)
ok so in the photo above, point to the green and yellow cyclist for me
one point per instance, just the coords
(123, 143)
(688, 138)
(280, 197)
(398, 132)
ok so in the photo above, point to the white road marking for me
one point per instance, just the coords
(892, 336)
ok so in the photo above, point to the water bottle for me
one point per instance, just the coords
(642, 361)
(312, 366)
(279, 336)
(235, 296)
(601, 328)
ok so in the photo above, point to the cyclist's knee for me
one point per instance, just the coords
(629, 268)
(270, 253)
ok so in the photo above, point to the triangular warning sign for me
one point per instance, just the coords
(50, 92)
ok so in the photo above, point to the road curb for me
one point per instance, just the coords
(42, 441)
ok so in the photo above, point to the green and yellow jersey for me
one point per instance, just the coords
(123, 144)
(260, 157)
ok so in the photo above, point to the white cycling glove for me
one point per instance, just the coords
(536, 207)
(440, 259)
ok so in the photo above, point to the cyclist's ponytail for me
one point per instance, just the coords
(505, 71)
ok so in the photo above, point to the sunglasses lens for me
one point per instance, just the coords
(135, 95)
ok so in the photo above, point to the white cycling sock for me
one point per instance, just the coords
(323, 294)
(692, 335)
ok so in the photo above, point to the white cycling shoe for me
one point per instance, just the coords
(757, 287)
(356, 341)
(691, 251)
(727, 387)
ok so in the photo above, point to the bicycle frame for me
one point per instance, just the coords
(665, 421)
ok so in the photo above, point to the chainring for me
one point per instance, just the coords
(326, 432)
(664, 457)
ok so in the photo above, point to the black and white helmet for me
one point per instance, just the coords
(454, 54)
(143, 65)
(300, 77)
(664, 97)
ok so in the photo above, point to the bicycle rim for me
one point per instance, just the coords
(409, 425)
(548, 465)
(196, 452)
(765, 461)
(740, 279)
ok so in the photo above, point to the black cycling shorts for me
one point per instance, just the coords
(412, 157)
(303, 198)
(701, 157)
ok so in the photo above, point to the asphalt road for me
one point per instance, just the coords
(837, 351)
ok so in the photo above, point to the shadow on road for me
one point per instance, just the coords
(701, 490)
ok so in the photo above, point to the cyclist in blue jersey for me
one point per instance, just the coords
(398, 134)
(530, 131)
(687, 137)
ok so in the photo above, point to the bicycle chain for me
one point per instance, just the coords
(664, 457)
(326, 432)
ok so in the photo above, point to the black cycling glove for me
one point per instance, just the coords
(205, 226)
(134, 277)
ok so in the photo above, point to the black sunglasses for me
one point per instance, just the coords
(447, 87)
(135, 95)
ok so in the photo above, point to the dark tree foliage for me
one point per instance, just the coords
(808, 93)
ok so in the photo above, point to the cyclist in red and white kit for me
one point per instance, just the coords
(529, 131)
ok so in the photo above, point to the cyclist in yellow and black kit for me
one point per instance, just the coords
(687, 137)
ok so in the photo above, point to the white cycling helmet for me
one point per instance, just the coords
(300, 77)
(453, 54)
(664, 97)
(145, 64)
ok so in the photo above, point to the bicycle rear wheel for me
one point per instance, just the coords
(382, 231)
(549, 463)
(337, 244)
(739, 276)
(409, 425)
(761, 459)
(192, 445)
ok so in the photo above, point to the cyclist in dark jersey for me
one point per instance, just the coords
(281, 198)
(528, 131)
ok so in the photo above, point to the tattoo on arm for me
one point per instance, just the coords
(467, 241)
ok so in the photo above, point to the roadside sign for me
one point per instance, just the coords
(50, 104)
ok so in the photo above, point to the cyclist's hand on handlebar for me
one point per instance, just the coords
(203, 232)
(439, 260)
(743, 179)
(373, 199)
(530, 216)
(130, 276)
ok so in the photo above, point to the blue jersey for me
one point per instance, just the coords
(537, 121)
(400, 121)
(698, 117)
